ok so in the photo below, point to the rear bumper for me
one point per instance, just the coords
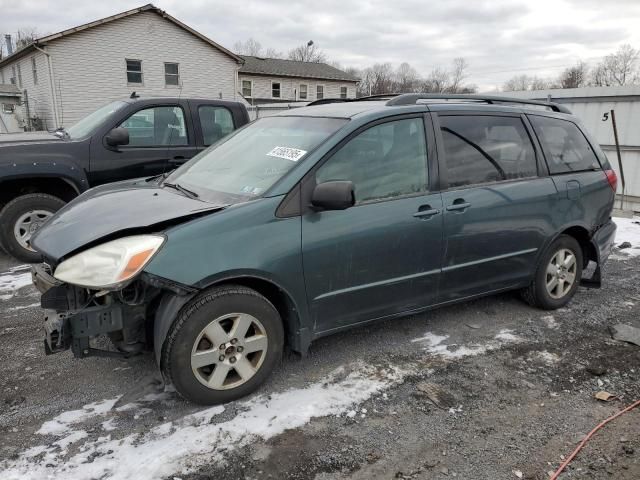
(603, 241)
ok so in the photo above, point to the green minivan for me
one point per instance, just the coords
(322, 218)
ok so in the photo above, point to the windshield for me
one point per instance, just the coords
(89, 123)
(247, 163)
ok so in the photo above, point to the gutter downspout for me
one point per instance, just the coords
(54, 97)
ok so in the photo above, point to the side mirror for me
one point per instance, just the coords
(334, 195)
(117, 136)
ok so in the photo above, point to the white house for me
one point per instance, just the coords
(67, 75)
(275, 80)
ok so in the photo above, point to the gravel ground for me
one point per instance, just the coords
(491, 389)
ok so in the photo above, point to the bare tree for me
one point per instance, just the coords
(308, 52)
(406, 78)
(458, 74)
(619, 68)
(437, 81)
(575, 76)
(519, 82)
(24, 37)
(381, 78)
(249, 47)
(273, 53)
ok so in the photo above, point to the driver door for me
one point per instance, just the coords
(160, 139)
(382, 256)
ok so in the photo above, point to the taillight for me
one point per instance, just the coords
(612, 178)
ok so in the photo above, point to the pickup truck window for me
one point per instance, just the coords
(157, 127)
(88, 124)
(216, 123)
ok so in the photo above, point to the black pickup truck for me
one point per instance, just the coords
(136, 137)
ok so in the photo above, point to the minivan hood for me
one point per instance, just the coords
(110, 210)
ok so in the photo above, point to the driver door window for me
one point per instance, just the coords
(384, 162)
(157, 127)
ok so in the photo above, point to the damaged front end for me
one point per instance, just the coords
(79, 318)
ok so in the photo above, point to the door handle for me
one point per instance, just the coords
(426, 212)
(458, 204)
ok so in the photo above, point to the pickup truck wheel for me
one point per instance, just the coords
(223, 345)
(557, 276)
(20, 218)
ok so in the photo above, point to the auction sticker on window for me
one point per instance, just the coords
(288, 153)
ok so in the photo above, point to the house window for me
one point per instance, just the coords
(134, 71)
(13, 75)
(303, 91)
(8, 108)
(319, 92)
(34, 70)
(343, 92)
(247, 88)
(171, 74)
(275, 89)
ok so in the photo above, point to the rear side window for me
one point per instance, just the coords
(481, 149)
(564, 145)
(216, 122)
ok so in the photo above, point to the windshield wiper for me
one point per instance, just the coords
(180, 188)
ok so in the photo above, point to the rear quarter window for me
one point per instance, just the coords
(565, 146)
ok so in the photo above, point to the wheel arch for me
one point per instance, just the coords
(62, 187)
(296, 337)
(583, 237)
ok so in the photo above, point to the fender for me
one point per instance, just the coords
(170, 305)
(65, 170)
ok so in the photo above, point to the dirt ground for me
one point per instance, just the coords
(492, 389)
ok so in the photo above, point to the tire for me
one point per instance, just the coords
(41, 205)
(229, 307)
(540, 292)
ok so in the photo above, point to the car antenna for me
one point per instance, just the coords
(134, 95)
(171, 133)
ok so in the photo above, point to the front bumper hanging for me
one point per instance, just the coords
(70, 323)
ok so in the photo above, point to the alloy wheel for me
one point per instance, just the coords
(561, 273)
(229, 351)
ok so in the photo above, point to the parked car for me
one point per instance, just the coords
(40, 172)
(323, 218)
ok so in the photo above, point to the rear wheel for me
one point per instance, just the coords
(223, 345)
(557, 276)
(21, 218)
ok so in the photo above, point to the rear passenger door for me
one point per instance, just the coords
(215, 122)
(496, 200)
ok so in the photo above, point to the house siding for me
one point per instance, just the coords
(38, 94)
(290, 87)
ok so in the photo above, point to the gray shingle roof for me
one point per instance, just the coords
(9, 88)
(291, 68)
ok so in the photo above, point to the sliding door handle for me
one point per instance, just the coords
(426, 213)
(458, 206)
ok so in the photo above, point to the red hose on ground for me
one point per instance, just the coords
(586, 439)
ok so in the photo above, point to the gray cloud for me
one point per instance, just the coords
(499, 38)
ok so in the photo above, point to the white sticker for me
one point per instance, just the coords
(288, 153)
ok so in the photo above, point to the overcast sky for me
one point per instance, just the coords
(499, 38)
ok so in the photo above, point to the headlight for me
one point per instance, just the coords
(111, 264)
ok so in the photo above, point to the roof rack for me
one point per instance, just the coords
(413, 98)
(381, 96)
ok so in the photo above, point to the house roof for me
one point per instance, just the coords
(145, 8)
(9, 89)
(292, 68)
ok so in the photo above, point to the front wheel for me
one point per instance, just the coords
(223, 345)
(557, 276)
(20, 218)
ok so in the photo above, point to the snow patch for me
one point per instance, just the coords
(23, 307)
(548, 357)
(12, 281)
(628, 231)
(435, 345)
(183, 445)
(550, 321)
(62, 423)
